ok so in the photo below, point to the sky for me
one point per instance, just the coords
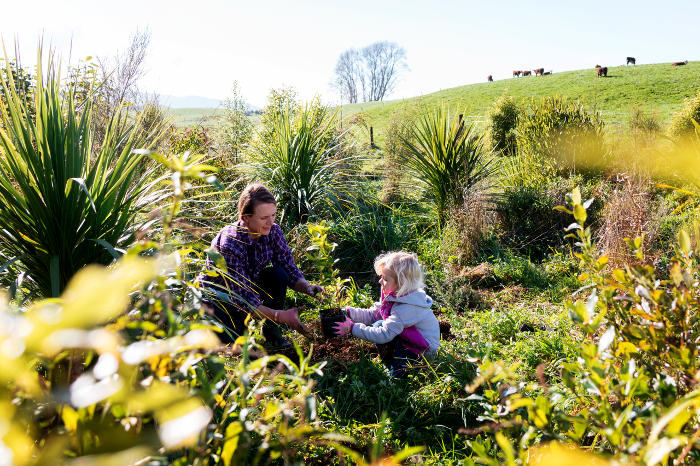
(201, 47)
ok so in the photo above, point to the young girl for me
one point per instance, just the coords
(401, 325)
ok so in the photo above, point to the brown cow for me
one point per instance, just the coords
(516, 74)
(546, 73)
(539, 71)
(603, 71)
(680, 63)
(527, 73)
(631, 60)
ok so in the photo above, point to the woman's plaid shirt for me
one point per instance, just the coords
(245, 259)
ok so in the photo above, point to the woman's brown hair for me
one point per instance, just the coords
(251, 197)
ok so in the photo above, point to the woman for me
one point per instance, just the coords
(249, 246)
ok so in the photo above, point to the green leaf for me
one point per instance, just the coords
(108, 247)
(9, 263)
(580, 214)
(233, 432)
(55, 284)
(81, 183)
(217, 259)
(576, 196)
(684, 242)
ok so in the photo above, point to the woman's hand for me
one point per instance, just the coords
(344, 328)
(291, 318)
(315, 290)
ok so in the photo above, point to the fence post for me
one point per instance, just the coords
(371, 137)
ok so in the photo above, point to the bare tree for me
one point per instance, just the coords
(125, 70)
(374, 69)
(349, 74)
(383, 61)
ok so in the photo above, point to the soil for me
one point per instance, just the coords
(446, 330)
(332, 312)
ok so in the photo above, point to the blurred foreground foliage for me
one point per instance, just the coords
(124, 367)
(630, 394)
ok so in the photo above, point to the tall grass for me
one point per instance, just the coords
(64, 205)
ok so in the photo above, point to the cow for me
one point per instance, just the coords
(539, 71)
(527, 73)
(680, 63)
(603, 71)
(546, 73)
(490, 78)
(631, 60)
(516, 74)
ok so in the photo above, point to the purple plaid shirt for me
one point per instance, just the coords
(245, 259)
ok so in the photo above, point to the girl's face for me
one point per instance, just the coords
(388, 282)
(261, 221)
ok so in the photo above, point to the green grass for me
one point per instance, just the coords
(659, 87)
(193, 116)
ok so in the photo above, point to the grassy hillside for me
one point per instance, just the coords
(659, 87)
(192, 116)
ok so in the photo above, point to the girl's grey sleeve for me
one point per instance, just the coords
(390, 329)
(364, 316)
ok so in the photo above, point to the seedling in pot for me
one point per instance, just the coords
(320, 254)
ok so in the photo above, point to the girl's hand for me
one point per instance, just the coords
(291, 318)
(344, 328)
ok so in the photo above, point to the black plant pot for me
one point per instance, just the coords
(329, 319)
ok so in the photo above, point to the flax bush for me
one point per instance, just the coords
(66, 199)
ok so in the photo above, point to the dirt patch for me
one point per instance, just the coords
(341, 350)
(446, 330)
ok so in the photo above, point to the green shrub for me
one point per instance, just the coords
(562, 133)
(446, 159)
(233, 131)
(194, 139)
(681, 126)
(629, 393)
(368, 229)
(63, 203)
(527, 219)
(502, 120)
(400, 128)
(297, 160)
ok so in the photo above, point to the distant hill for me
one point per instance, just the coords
(195, 101)
(658, 87)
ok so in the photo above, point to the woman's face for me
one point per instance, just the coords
(388, 282)
(261, 221)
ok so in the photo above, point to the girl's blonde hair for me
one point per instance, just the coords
(404, 267)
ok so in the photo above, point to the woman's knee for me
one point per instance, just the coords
(272, 283)
(274, 276)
